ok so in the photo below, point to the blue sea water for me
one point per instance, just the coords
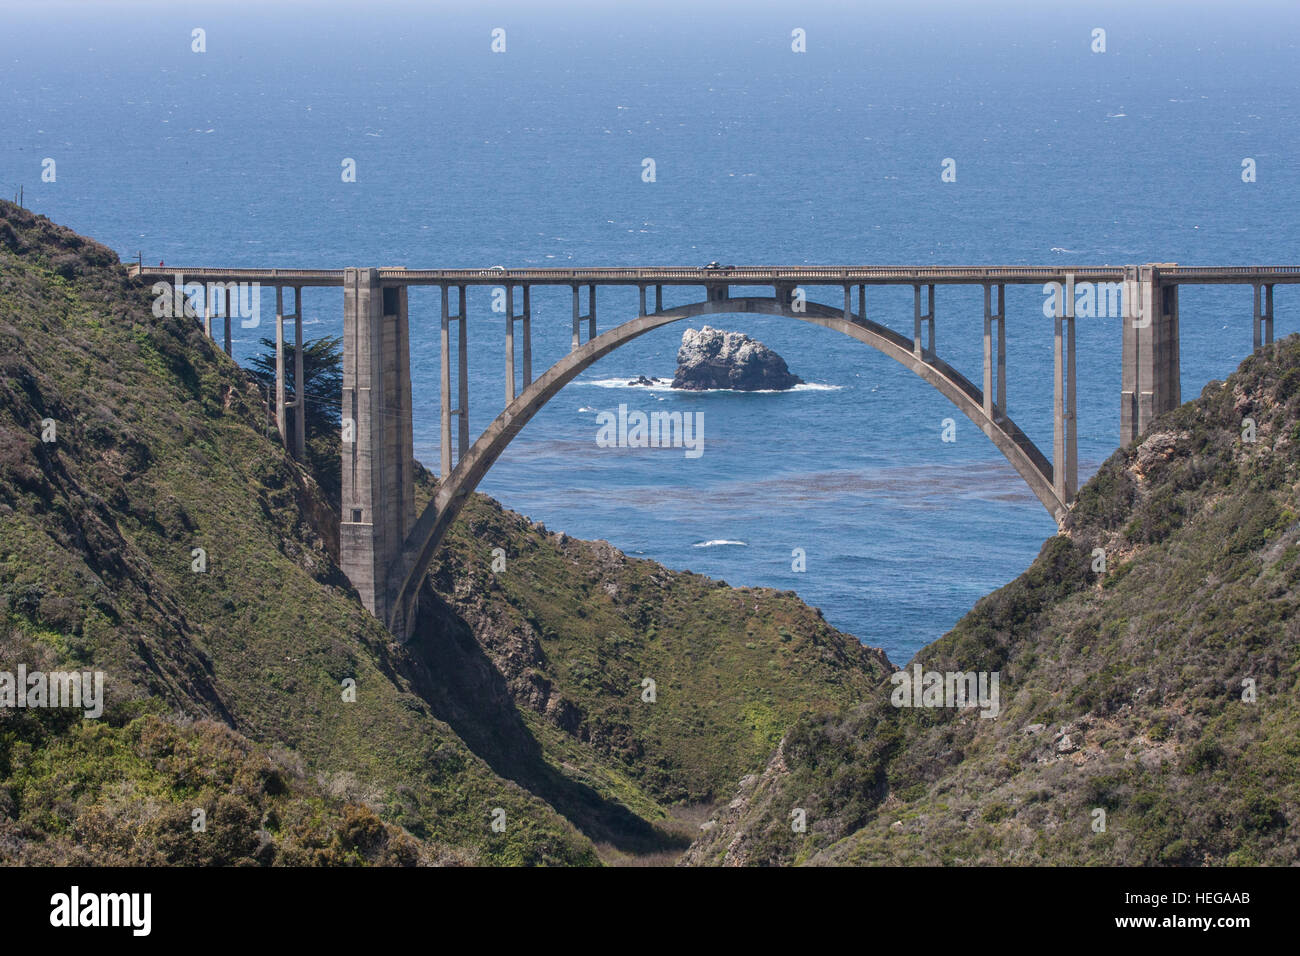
(534, 157)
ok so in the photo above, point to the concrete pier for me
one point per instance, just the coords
(296, 441)
(1263, 314)
(926, 319)
(227, 294)
(460, 411)
(378, 491)
(526, 318)
(579, 319)
(1150, 374)
(995, 375)
(281, 413)
(299, 381)
(1065, 446)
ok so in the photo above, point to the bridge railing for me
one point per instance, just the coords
(757, 275)
(735, 275)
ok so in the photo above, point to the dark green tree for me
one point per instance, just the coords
(322, 373)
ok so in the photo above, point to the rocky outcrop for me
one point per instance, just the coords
(711, 358)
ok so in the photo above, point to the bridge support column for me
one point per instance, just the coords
(1151, 382)
(299, 382)
(659, 298)
(590, 317)
(641, 290)
(281, 414)
(511, 319)
(527, 319)
(995, 375)
(927, 353)
(510, 343)
(378, 492)
(207, 315)
(1065, 445)
(461, 410)
(227, 294)
(1263, 314)
(862, 302)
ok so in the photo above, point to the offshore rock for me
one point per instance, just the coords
(711, 358)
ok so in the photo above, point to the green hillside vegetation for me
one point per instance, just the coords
(1121, 691)
(577, 627)
(521, 690)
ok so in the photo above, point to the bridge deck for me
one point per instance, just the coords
(738, 275)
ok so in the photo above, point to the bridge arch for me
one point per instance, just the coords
(410, 565)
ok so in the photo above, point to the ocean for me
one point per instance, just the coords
(762, 155)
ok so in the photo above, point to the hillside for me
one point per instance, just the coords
(1121, 691)
(520, 691)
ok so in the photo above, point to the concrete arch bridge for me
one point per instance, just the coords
(386, 548)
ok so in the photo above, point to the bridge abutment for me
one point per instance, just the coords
(378, 490)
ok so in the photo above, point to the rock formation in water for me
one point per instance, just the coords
(711, 358)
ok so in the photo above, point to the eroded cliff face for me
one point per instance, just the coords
(1149, 704)
(711, 358)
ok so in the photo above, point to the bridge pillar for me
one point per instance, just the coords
(281, 413)
(461, 410)
(995, 374)
(927, 353)
(527, 319)
(299, 382)
(1150, 383)
(510, 343)
(1065, 444)
(378, 491)
(590, 317)
(1263, 314)
(227, 294)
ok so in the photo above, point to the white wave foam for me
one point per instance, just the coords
(718, 541)
(665, 385)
